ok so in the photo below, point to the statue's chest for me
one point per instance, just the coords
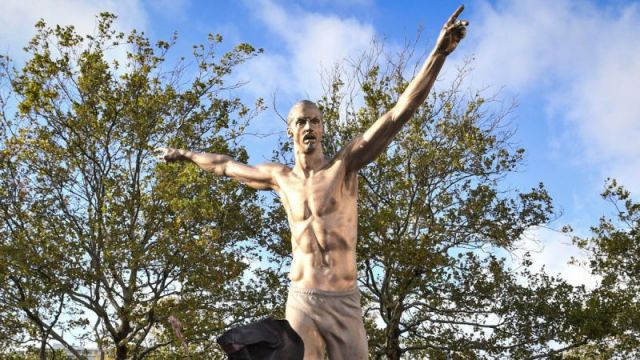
(317, 195)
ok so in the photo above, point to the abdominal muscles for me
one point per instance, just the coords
(323, 259)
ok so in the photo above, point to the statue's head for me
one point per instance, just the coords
(305, 127)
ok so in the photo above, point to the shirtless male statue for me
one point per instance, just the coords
(320, 198)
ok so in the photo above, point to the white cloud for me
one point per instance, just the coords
(18, 17)
(312, 42)
(584, 58)
(554, 250)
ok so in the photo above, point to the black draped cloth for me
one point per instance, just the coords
(267, 339)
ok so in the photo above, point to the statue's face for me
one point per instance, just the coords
(305, 127)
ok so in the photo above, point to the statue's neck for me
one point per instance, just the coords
(308, 163)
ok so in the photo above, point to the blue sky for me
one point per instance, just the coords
(572, 66)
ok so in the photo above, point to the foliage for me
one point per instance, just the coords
(97, 239)
(613, 252)
(32, 354)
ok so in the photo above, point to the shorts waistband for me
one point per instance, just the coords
(311, 291)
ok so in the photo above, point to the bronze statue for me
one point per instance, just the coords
(320, 198)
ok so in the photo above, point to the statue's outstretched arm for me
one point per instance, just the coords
(366, 147)
(258, 177)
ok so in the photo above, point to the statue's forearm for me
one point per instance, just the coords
(416, 93)
(418, 90)
(215, 163)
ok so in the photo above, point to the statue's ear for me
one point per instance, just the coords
(289, 132)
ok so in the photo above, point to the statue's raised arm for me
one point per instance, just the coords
(366, 147)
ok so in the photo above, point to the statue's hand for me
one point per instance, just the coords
(452, 32)
(167, 154)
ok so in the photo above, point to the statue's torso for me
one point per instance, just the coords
(322, 213)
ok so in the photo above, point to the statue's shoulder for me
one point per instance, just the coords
(345, 154)
(276, 168)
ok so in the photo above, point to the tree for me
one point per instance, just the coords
(98, 240)
(433, 218)
(613, 251)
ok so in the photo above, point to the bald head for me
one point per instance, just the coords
(303, 107)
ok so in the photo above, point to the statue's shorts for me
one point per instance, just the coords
(328, 320)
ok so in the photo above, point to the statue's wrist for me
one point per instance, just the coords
(442, 52)
(184, 154)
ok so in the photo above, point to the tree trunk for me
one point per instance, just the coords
(43, 349)
(392, 346)
(120, 338)
(121, 350)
